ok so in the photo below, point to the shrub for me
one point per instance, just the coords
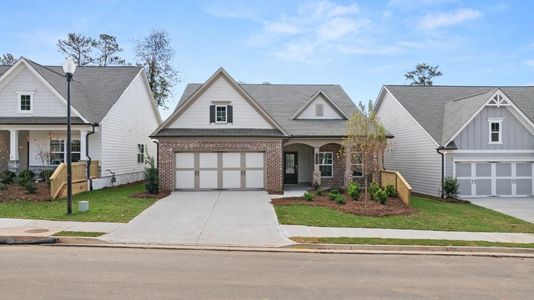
(22, 181)
(3, 186)
(45, 174)
(27, 174)
(332, 195)
(373, 187)
(381, 196)
(354, 190)
(308, 196)
(7, 177)
(339, 199)
(29, 187)
(151, 177)
(450, 187)
(391, 191)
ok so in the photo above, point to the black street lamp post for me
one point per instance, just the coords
(69, 67)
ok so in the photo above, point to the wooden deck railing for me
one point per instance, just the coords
(58, 180)
(401, 185)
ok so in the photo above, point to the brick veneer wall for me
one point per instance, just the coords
(4, 150)
(338, 180)
(272, 148)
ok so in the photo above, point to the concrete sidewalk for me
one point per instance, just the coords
(309, 231)
(43, 228)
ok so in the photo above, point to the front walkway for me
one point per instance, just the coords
(310, 231)
(223, 218)
(521, 208)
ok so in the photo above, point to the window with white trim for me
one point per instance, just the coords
(140, 153)
(25, 103)
(325, 160)
(356, 163)
(495, 131)
(221, 114)
(58, 151)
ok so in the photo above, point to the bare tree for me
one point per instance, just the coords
(155, 54)
(7, 59)
(79, 47)
(109, 48)
(423, 74)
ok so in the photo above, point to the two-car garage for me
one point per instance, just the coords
(219, 170)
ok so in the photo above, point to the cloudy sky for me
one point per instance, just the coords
(358, 44)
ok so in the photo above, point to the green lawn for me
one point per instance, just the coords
(380, 241)
(79, 233)
(106, 205)
(431, 215)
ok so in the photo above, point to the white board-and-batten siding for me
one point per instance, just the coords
(197, 115)
(412, 152)
(129, 123)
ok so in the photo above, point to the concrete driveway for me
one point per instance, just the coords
(521, 208)
(232, 218)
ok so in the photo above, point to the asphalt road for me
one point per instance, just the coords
(42, 272)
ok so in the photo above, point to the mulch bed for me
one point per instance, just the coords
(145, 195)
(17, 192)
(393, 206)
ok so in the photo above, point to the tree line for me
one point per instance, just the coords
(153, 52)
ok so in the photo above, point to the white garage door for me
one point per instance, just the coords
(220, 170)
(506, 179)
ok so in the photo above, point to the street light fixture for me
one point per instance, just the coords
(69, 67)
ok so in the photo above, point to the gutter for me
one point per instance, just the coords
(93, 125)
(442, 150)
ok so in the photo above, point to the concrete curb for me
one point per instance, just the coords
(27, 240)
(301, 248)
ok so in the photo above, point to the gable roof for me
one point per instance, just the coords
(94, 89)
(442, 110)
(328, 100)
(282, 101)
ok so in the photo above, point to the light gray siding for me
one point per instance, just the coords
(476, 135)
(412, 151)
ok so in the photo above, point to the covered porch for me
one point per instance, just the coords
(39, 147)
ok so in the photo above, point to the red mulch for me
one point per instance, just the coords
(17, 192)
(145, 195)
(393, 206)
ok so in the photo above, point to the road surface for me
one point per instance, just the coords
(44, 272)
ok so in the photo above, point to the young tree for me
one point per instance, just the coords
(109, 48)
(79, 47)
(366, 141)
(423, 74)
(7, 59)
(155, 53)
(366, 110)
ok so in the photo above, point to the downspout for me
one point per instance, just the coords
(93, 125)
(438, 150)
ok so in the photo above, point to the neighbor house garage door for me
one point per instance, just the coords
(219, 170)
(506, 179)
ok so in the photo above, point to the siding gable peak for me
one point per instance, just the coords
(316, 97)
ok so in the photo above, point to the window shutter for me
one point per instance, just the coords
(230, 114)
(212, 113)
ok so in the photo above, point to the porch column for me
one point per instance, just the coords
(13, 150)
(348, 168)
(83, 145)
(316, 180)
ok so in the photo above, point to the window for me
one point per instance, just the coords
(25, 103)
(220, 114)
(495, 131)
(356, 165)
(140, 153)
(58, 151)
(319, 110)
(325, 160)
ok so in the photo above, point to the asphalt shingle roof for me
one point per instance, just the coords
(94, 89)
(442, 110)
(282, 101)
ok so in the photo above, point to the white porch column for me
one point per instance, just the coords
(13, 145)
(83, 144)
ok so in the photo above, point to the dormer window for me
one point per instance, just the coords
(221, 114)
(495, 131)
(25, 104)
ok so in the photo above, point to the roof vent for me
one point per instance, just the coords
(266, 82)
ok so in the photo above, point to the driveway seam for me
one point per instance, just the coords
(208, 218)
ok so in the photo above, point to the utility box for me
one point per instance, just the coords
(83, 206)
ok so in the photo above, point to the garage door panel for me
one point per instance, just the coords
(231, 160)
(524, 187)
(483, 187)
(465, 188)
(503, 186)
(231, 179)
(503, 169)
(254, 179)
(524, 170)
(207, 160)
(463, 170)
(483, 170)
(185, 160)
(185, 179)
(207, 179)
(254, 160)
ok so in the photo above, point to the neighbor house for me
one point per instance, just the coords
(229, 135)
(485, 134)
(113, 113)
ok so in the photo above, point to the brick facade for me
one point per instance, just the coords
(272, 149)
(4, 149)
(338, 179)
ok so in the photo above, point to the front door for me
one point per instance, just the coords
(291, 168)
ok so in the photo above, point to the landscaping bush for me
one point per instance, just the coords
(332, 195)
(45, 174)
(22, 180)
(7, 177)
(373, 187)
(308, 196)
(3, 186)
(151, 177)
(354, 190)
(339, 199)
(450, 187)
(381, 196)
(29, 187)
(391, 191)
(27, 174)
